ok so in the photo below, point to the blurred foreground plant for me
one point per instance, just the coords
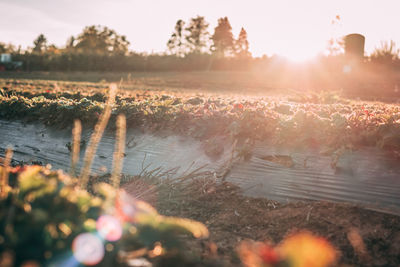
(46, 213)
(299, 250)
(49, 218)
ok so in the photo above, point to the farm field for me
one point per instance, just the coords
(225, 133)
(225, 81)
(362, 83)
(304, 145)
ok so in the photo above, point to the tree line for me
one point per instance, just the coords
(195, 38)
(99, 48)
(191, 47)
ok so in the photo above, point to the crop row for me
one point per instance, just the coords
(327, 127)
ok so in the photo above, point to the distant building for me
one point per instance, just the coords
(5, 58)
(6, 63)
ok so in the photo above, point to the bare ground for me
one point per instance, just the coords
(232, 217)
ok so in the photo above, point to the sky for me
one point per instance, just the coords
(297, 29)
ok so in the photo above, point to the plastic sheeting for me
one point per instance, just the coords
(37, 143)
(367, 177)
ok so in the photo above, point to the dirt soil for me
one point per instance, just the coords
(232, 217)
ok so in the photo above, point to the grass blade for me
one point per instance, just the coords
(76, 145)
(119, 151)
(96, 136)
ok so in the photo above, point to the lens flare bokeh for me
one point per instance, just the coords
(88, 249)
(109, 228)
(125, 207)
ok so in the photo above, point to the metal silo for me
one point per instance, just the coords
(354, 45)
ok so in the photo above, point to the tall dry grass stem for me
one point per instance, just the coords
(4, 174)
(76, 145)
(119, 151)
(96, 136)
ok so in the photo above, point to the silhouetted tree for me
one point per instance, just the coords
(223, 43)
(198, 36)
(53, 49)
(7, 48)
(2, 47)
(242, 45)
(120, 44)
(335, 45)
(176, 44)
(40, 44)
(101, 40)
(70, 42)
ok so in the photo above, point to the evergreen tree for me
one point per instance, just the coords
(242, 45)
(223, 43)
(198, 35)
(40, 44)
(176, 44)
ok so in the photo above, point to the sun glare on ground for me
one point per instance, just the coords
(298, 55)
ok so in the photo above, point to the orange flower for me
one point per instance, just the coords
(257, 254)
(306, 250)
(268, 254)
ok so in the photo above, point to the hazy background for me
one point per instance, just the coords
(296, 29)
